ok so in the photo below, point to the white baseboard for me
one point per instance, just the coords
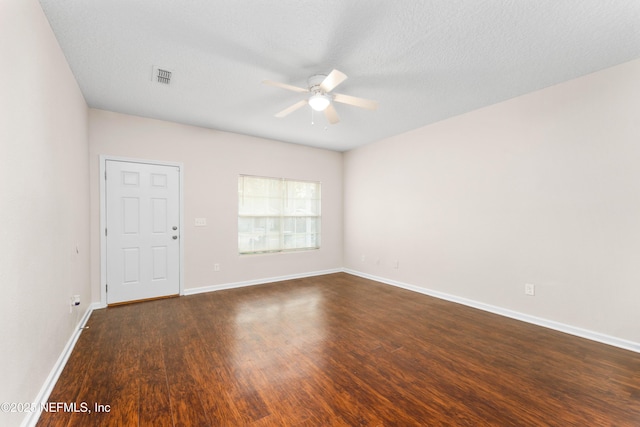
(568, 329)
(32, 418)
(212, 288)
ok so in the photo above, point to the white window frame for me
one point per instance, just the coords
(268, 222)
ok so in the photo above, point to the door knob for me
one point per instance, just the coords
(174, 228)
(175, 237)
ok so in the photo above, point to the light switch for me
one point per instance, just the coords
(201, 222)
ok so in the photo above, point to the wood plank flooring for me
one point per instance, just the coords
(336, 350)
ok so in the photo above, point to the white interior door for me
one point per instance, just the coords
(142, 231)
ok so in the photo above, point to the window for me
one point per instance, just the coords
(276, 215)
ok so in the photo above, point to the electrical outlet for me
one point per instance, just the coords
(74, 301)
(396, 264)
(363, 258)
(530, 289)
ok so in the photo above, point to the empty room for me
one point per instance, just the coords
(320, 213)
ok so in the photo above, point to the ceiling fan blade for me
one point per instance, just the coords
(291, 109)
(331, 114)
(332, 80)
(357, 102)
(285, 86)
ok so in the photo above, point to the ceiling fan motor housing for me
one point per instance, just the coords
(319, 100)
(315, 82)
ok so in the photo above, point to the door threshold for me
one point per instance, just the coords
(135, 301)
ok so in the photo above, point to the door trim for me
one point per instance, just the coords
(103, 218)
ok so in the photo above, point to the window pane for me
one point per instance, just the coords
(258, 234)
(277, 214)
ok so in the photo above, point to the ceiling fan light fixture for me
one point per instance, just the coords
(319, 101)
(320, 97)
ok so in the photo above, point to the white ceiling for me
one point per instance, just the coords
(423, 61)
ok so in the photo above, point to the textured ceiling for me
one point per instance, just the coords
(423, 61)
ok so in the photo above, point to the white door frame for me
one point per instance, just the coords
(103, 219)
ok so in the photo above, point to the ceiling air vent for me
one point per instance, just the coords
(161, 75)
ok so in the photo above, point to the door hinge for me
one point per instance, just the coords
(105, 231)
(105, 175)
(106, 288)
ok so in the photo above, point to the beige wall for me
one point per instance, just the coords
(212, 162)
(44, 202)
(541, 189)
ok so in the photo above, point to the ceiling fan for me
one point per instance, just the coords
(321, 98)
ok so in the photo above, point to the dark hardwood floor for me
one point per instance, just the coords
(336, 350)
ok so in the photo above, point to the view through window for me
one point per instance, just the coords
(277, 214)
